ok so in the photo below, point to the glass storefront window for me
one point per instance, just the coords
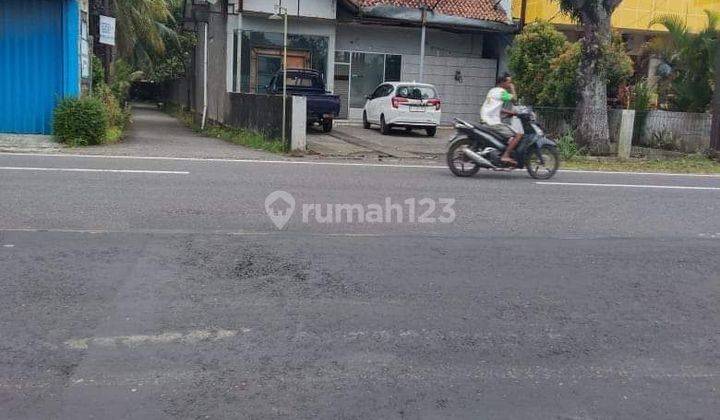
(261, 55)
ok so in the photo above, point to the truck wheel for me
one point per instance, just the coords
(327, 126)
(431, 131)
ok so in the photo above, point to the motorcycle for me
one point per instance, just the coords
(474, 146)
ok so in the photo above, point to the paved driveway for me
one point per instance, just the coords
(353, 140)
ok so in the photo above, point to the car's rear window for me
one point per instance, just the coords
(416, 92)
(304, 80)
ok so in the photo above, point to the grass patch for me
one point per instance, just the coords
(233, 135)
(113, 135)
(689, 164)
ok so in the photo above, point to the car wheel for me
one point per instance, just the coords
(384, 128)
(366, 124)
(327, 126)
(431, 131)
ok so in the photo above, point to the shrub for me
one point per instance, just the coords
(561, 86)
(80, 122)
(530, 56)
(664, 140)
(117, 116)
(98, 72)
(567, 147)
(122, 78)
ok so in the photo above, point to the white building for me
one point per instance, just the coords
(357, 44)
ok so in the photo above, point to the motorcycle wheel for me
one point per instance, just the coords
(459, 164)
(542, 163)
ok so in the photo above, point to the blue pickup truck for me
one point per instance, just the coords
(322, 106)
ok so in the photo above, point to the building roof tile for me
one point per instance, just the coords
(471, 9)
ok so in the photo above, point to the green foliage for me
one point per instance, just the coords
(98, 71)
(665, 140)
(691, 57)
(643, 96)
(530, 58)
(642, 99)
(617, 63)
(80, 121)
(122, 76)
(117, 116)
(143, 29)
(174, 63)
(544, 65)
(560, 88)
(567, 147)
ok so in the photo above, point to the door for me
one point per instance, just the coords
(342, 87)
(31, 64)
(367, 73)
(374, 105)
(265, 62)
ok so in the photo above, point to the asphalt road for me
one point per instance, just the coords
(146, 288)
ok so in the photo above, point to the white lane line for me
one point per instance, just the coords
(120, 171)
(191, 337)
(351, 164)
(663, 187)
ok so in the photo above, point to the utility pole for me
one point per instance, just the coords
(715, 130)
(423, 23)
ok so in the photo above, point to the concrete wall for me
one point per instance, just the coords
(446, 54)
(324, 9)
(217, 64)
(258, 113)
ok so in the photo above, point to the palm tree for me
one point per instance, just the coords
(593, 128)
(143, 29)
(691, 56)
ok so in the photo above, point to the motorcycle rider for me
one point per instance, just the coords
(492, 111)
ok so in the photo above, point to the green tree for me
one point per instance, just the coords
(691, 57)
(143, 30)
(530, 58)
(591, 116)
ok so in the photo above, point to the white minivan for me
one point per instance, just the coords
(403, 104)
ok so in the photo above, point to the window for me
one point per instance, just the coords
(393, 68)
(379, 92)
(261, 56)
(416, 92)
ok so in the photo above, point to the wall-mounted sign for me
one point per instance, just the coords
(107, 30)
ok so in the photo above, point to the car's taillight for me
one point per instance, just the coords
(435, 102)
(397, 100)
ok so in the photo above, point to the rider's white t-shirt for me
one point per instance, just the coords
(490, 111)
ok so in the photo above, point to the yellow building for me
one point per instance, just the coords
(630, 16)
(631, 19)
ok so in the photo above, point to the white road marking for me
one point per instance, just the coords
(191, 337)
(121, 171)
(191, 232)
(8, 246)
(666, 187)
(351, 164)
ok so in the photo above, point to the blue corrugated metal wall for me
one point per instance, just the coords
(33, 62)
